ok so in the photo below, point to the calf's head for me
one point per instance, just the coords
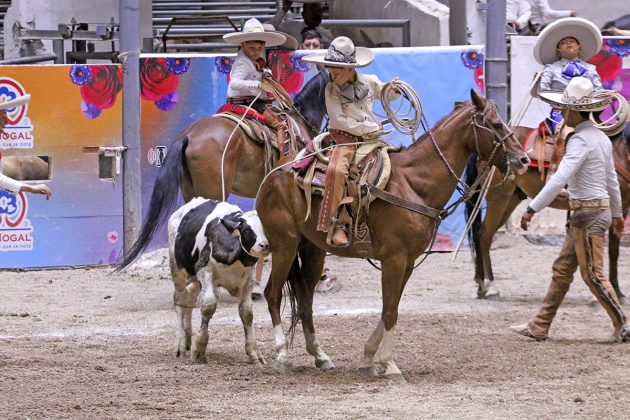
(250, 232)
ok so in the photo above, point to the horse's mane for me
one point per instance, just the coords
(310, 101)
(457, 110)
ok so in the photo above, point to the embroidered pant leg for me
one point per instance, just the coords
(563, 269)
(336, 174)
(589, 246)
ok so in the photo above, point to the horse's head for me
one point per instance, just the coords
(310, 102)
(494, 141)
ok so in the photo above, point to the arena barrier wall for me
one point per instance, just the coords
(72, 108)
(179, 89)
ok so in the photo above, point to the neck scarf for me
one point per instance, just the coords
(572, 69)
(351, 92)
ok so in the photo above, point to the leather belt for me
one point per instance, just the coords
(602, 203)
(343, 137)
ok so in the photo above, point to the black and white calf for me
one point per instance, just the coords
(212, 244)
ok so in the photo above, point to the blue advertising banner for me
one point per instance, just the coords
(196, 87)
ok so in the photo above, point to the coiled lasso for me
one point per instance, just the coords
(618, 119)
(405, 120)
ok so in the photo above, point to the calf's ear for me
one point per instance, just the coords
(230, 224)
(225, 246)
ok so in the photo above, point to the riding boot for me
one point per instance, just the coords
(276, 122)
(339, 237)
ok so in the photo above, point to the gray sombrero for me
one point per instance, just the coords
(583, 30)
(578, 96)
(342, 53)
(253, 30)
(290, 43)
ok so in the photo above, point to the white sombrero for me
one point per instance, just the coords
(253, 31)
(583, 30)
(342, 53)
(578, 96)
(22, 100)
(290, 43)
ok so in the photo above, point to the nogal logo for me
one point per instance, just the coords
(15, 229)
(18, 133)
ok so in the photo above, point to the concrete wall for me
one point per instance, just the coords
(429, 20)
(46, 15)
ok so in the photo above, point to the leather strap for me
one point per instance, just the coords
(401, 202)
(623, 172)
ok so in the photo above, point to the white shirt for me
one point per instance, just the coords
(355, 117)
(244, 78)
(587, 168)
(552, 78)
(519, 11)
(9, 184)
(542, 13)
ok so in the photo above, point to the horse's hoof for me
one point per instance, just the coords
(325, 364)
(396, 377)
(368, 372)
(281, 367)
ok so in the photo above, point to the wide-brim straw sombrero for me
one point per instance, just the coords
(290, 43)
(22, 100)
(342, 53)
(578, 96)
(253, 30)
(583, 30)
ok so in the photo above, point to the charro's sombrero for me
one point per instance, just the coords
(583, 30)
(253, 31)
(578, 96)
(22, 100)
(342, 53)
(290, 43)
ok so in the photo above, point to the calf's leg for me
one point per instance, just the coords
(247, 317)
(208, 306)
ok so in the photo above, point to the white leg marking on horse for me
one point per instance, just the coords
(247, 317)
(208, 306)
(370, 349)
(387, 356)
(322, 360)
(282, 350)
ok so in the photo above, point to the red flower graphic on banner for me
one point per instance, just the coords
(284, 71)
(159, 78)
(99, 87)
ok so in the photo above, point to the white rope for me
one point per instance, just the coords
(619, 118)
(230, 139)
(123, 56)
(401, 120)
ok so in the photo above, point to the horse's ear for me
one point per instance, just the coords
(477, 100)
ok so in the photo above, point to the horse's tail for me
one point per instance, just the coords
(470, 175)
(296, 288)
(163, 199)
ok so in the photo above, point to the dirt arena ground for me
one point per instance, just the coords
(86, 343)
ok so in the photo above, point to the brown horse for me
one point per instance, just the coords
(25, 168)
(426, 173)
(501, 201)
(196, 164)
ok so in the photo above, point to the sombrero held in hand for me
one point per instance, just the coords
(578, 96)
(253, 30)
(342, 53)
(585, 31)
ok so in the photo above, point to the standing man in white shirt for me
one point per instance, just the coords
(517, 14)
(594, 199)
(543, 15)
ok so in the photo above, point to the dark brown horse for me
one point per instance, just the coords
(426, 173)
(196, 164)
(502, 200)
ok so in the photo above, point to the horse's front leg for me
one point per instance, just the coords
(247, 317)
(208, 306)
(312, 266)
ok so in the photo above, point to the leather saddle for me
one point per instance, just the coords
(371, 165)
(544, 150)
(265, 135)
